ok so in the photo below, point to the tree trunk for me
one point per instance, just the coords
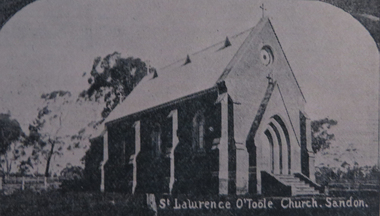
(7, 164)
(48, 160)
(1, 176)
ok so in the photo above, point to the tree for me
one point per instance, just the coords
(72, 172)
(321, 136)
(113, 78)
(46, 131)
(10, 131)
(64, 123)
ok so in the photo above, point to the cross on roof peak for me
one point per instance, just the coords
(263, 9)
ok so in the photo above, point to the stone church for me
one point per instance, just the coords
(229, 119)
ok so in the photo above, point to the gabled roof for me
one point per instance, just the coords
(181, 79)
(193, 74)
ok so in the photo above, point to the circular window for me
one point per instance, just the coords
(266, 55)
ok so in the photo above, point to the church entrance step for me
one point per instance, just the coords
(304, 189)
(298, 187)
(301, 187)
(290, 185)
(300, 193)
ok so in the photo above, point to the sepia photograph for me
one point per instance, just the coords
(214, 107)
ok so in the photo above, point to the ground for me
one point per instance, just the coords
(86, 203)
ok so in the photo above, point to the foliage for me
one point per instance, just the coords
(74, 180)
(321, 136)
(72, 203)
(85, 203)
(57, 129)
(46, 131)
(113, 78)
(72, 172)
(345, 173)
(24, 166)
(17, 157)
(10, 130)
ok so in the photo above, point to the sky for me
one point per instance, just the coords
(49, 44)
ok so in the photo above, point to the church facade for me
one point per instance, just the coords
(229, 119)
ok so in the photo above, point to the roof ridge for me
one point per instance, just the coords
(207, 48)
(287, 61)
(235, 58)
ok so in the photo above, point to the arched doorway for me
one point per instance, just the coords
(279, 146)
(271, 150)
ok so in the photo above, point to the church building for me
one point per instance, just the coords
(229, 119)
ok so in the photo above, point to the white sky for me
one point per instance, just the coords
(49, 44)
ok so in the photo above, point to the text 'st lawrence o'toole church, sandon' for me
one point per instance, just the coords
(229, 119)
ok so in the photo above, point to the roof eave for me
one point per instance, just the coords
(161, 106)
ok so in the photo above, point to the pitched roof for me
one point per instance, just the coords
(181, 78)
(193, 74)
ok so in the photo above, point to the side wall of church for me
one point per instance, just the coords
(196, 162)
(196, 166)
(93, 159)
(118, 170)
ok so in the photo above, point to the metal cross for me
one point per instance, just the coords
(147, 67)
(263, 9)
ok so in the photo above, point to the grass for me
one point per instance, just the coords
(58, 203)
(55, 202)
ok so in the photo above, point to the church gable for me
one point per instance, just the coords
(260, 58)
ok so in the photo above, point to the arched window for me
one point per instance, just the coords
(198, 131)
(156, 140)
